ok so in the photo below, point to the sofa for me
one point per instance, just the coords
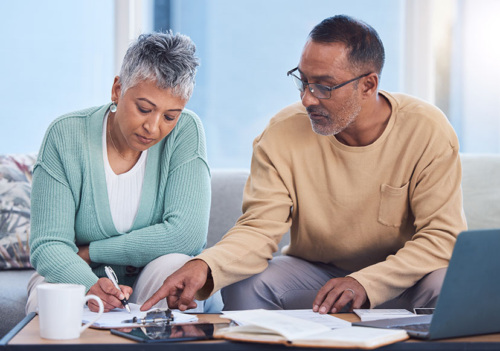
(481, 189)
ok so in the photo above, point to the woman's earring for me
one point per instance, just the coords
(112, 108)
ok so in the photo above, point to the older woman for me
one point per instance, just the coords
(125, 184)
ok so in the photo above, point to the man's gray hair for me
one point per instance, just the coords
(167, 59)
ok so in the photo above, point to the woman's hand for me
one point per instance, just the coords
(83, 252)
(111, 296)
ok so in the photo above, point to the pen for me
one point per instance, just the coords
(112, 276)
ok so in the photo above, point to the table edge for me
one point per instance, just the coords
(8, 337)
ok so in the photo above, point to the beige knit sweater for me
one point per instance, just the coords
(389, 212)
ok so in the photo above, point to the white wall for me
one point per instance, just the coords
(480, 95)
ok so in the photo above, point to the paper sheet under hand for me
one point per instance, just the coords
(115, 318)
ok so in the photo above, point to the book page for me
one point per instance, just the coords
(355, 337)
(289, 327)
(325, 319)
(264, 326)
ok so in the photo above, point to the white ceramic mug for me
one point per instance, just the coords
(60, 309)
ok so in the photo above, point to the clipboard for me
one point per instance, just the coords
(158, 316)
(120, 318)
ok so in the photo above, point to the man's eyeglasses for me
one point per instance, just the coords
(319, 91)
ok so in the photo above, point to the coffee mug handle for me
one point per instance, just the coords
(101, 310)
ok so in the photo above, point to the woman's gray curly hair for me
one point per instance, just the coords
(167, 59)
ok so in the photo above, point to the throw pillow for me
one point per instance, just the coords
(15, 190)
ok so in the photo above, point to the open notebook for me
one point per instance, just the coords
(273, 327)
(468, 302)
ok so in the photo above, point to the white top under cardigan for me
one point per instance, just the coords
(124, 190)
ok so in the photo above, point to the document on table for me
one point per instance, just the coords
(374, 314)
(115, 318)
(308, 315)
(325, 319)
(296, 328)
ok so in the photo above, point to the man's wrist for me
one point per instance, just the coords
(203, 266)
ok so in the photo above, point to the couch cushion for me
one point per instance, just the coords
(227, 198)
(15, 190)
(13, 297)
(481, 189)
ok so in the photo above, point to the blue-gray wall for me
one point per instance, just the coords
(246, 48)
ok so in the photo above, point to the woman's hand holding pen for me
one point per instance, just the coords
(111, 296)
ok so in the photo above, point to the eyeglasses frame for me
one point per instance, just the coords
(328, 88)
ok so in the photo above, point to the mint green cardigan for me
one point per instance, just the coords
(69, 201)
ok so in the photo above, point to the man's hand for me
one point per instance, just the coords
(111, 296)
(180, 287)
(337, 293)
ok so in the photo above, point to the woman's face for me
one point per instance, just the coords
(145, 115)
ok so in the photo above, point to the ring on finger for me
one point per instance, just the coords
(353, 293)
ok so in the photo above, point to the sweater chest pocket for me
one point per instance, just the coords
(393, 208)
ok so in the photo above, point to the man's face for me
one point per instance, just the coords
(327, 64)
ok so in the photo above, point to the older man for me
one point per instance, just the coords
(371, 194)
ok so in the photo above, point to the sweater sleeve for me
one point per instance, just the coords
(436, 203)
(52, 240)
(183, 229)
(247, 247)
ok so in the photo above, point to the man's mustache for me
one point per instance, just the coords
(316, 111)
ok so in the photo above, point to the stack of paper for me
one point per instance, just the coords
(116, 318)
(374, 314)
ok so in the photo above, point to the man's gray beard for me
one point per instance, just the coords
(323, 130)
(346, 119)
(327, 130)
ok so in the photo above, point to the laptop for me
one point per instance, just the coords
(469, 302)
